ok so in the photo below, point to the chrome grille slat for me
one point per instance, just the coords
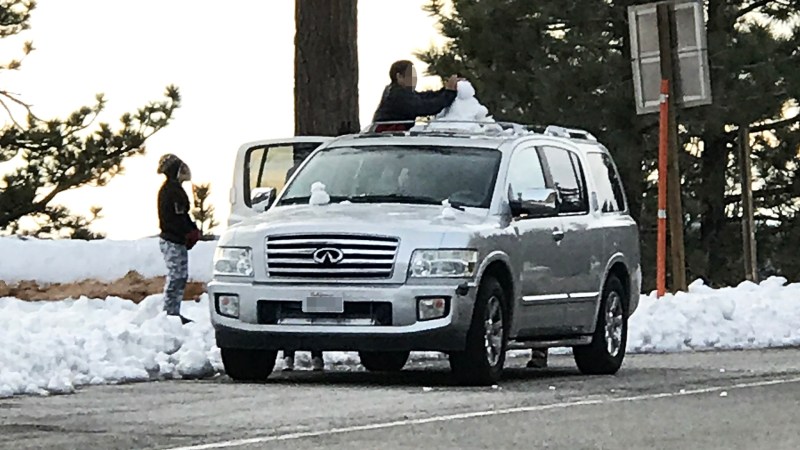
(363, 257)
(344, 263)
(347, 252)
(329, 271)
(335, 242)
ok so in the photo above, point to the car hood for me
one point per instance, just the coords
(367, 218)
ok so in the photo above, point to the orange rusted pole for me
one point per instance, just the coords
(661, 248)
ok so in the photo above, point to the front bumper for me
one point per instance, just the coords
(405, 334)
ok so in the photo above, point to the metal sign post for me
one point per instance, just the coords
(670, 69)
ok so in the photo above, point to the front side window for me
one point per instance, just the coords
(525, 171)
(609, 188)
(567, 178)
(400, 174)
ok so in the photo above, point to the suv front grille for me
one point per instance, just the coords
(331, 256)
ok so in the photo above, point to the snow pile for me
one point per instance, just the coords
(465, 113)
(319, 196)
(54, 347)
(747, 316)
(67, 261)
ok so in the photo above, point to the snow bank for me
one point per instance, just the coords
(66, 261)
(54, 347)
(745, 317)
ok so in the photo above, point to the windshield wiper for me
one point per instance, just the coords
(295, 200)
(395, 198)
(307, 198)
(385, 198)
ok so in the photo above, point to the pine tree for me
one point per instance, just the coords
(568, 62)
(203, 213)
(326, 67)
(56, 155)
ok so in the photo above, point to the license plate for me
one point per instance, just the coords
(323, 304)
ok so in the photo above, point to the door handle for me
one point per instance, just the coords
(558, 235)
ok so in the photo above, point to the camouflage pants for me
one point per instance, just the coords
(177, 258)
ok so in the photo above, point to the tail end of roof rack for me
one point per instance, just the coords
(570, 133)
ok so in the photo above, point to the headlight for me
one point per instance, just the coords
(443, 263)
(233, 261)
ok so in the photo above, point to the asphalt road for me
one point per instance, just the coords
(727, 400)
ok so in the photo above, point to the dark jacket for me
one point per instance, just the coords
(400, 103)
(173, 212)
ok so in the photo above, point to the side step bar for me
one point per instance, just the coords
(567, 342)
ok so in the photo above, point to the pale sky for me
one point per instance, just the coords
(232, 61)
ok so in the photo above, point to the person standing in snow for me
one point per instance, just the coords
(178, 232)
(401, 103)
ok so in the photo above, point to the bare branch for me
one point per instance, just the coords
(10, 114)
(11, 97)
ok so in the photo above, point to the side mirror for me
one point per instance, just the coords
(535, 203)
(262, 198)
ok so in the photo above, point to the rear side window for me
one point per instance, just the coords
(567, 178)
(609, 188)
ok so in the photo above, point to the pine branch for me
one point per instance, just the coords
(752, 7)
(775, 125)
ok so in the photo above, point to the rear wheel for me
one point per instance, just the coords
(481, 362)
(247, 364)
(605, 354)
(383, 361)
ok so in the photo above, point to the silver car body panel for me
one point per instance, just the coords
(556, 287)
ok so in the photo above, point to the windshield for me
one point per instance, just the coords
(395, 174)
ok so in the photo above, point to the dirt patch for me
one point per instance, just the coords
(132, 286)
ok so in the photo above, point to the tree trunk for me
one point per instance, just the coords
(715, 154)
(326, 67)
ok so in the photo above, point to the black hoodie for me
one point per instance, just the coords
(173, 211)
(400, 103)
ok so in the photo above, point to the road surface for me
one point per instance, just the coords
(711, 400)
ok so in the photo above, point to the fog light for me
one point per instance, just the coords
(228, 305)
(432, 308)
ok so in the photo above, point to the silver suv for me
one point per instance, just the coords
(461, 242)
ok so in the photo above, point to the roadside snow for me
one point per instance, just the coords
(66, 261)
(747, 316)
(54, 347)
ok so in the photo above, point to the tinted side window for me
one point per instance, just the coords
(567, 177)
(525, 171)
(609, 188)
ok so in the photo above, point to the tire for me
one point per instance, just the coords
(605, 354)
(248, 365)
(481, 362)
(384, 361)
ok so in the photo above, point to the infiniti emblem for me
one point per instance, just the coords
(328, 256)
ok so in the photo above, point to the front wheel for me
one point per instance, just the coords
(481, 362)
(383, 361)
(605, 354)
(247, 364)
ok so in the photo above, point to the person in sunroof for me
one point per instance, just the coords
(400, 101)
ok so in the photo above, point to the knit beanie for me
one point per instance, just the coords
(169, 165)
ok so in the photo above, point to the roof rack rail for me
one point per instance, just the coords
(450, 127)
(570, 133)
(469, 128)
